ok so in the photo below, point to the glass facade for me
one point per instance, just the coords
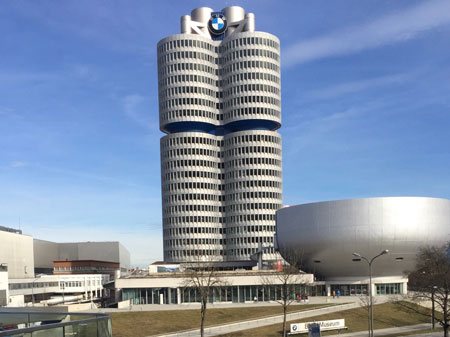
(363, 289)
(350, 289)
(388, 289)
(235, 294)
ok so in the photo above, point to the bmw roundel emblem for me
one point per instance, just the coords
(217, 24)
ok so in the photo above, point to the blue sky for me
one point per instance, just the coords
(365, 109)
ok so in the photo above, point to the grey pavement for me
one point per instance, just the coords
(256, 323)
(407, 329)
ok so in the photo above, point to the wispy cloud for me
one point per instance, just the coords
(131, 104)
(8, 112)
(395, 27)
(356, 86)
(16, 164)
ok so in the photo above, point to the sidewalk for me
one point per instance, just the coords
(390, 331)
(256, 323)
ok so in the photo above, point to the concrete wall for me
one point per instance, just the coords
(46, 252)
(16, 250)
(230, 279)
(124, 256)
(3, 288)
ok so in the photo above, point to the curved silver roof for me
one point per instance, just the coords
(325, 234)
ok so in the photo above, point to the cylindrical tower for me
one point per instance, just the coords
(220, 106)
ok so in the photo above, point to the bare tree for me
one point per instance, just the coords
(202, 276)
(364, 303)
(288, 278)
(431, 282)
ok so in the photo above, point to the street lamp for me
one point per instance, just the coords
(32, 289)
(370, 283)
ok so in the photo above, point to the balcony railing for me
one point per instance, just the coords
(54, 324)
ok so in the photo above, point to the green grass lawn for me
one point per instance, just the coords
(147, 323)
(386, 315)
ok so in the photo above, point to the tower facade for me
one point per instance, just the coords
(220, 107)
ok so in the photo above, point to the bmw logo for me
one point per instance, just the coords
(217, 24)
(294, 327)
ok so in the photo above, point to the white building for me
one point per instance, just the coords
(16, 252)
(20, 256)
(220, 107)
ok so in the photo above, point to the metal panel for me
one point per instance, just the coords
(331, 231)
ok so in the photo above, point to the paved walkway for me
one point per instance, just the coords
(256, 323)
(390, 331)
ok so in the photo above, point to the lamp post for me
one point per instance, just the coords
(369, 262)
(32, 289)
(432, 306)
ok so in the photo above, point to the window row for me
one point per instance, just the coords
(250, 217)
(176, 220)
(254, 161)
(188, 66)
(246, 41)
(242, 65)
(193, 230)
(253, 195)
(192, 241)
(182, 220)
(251, 183)
(245, 88)
(249, 229)
(234, 55)
(192, 162)
(29, 285)
(247, 251)
(245, 139)
(255, 172)
(187, 43)
(252, 206)
(172, 210)
(192, 185)
(224, 47)
(192, 208)
(251, 99)
(194, 252)
(215, 230)
(188, 78)
(192, 196)
(192, 174)
(165, 116)
(181, 54)
(252, 149)
(228, 141)
(191, 151)
(189, 90)
(250, 239)
(252, 111)
(189, 101)
(235, 78)
(189, 140)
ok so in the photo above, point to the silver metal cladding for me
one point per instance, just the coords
(326, 234)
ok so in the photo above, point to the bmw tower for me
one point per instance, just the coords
(220, 108)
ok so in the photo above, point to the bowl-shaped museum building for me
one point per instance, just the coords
(322, 238)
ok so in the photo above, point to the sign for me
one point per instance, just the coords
(334, 324)
(314, 330)
(217, 24)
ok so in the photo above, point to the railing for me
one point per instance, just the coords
(54, 324)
